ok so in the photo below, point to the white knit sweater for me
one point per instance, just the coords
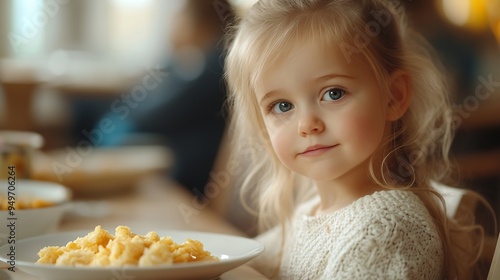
(386, 235)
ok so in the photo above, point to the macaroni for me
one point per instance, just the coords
(100, 248)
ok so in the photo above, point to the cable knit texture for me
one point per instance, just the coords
(386, 235)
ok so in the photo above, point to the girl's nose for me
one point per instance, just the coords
(309, 124)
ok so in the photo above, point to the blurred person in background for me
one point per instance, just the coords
(184, 110)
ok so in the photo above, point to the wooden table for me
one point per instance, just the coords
(155, 204)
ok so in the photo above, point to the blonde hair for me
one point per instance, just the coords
(416, 154)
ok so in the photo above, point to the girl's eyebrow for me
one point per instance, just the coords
(331, 76)
(269, 94)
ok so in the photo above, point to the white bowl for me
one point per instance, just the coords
(35, 221)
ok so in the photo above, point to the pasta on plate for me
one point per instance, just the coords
(99, 248)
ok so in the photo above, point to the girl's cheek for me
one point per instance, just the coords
(367, 129)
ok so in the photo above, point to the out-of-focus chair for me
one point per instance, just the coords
(494, 272)
(459, 203)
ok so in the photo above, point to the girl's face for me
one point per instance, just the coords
(325, 116)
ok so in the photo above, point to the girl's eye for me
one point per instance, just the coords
(281, 107)
(333, 94)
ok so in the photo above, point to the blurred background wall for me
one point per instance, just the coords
(115, 28)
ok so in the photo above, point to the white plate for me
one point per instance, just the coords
(232, 251)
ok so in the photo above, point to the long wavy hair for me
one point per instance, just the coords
(416, 153)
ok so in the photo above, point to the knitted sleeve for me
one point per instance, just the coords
(390, 248)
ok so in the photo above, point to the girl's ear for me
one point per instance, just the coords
(400, 95)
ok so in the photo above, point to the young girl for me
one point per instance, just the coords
(348, 120)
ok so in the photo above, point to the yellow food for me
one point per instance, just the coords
(23, 203)
(100, 248)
